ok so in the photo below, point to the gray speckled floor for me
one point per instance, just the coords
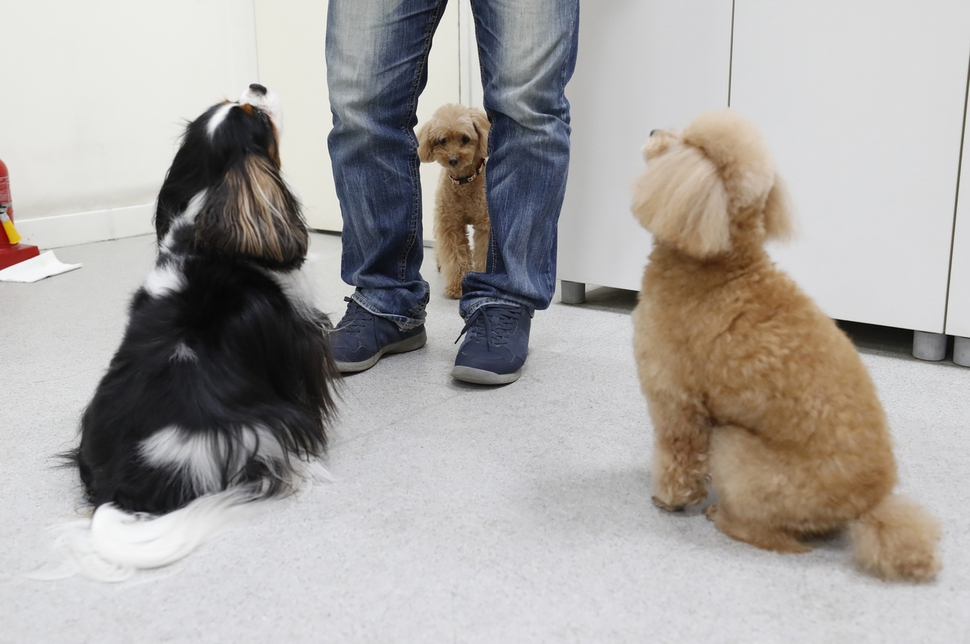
(461, 514)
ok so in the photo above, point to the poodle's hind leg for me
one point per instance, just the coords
(681, 439)
(753, 484)
(751, 532)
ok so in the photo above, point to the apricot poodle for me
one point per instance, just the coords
(457, 137)
(750, 386)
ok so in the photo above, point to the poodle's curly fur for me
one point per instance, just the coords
(457, 137)
(750, 386)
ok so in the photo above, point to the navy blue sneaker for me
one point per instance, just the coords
(495, 347)
(361, 338)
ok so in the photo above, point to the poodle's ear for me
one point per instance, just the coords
(251, 213)
(658, 143)
(779, 216)
(425, 146)
(681, 200)
(482, 127)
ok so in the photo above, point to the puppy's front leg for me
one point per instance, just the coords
(682, 433)
(451, 247)
(480, 249)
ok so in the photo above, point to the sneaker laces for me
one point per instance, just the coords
(352, 321)
(498, 323)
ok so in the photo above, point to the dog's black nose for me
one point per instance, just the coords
(258, 89)
(452, 162)
(652, 132)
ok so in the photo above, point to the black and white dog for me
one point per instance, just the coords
(222, 386)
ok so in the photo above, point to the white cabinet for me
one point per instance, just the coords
(958, 302)
(642, 64)
(958, 308)
(862, 104)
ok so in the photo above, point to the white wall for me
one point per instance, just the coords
(292, 60)
(290, 37)
(93, 98)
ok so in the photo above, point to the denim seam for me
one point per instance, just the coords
(569, 67)
(413, 163)
(492, 245)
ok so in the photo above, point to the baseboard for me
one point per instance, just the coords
(100, 225)
(87, 227)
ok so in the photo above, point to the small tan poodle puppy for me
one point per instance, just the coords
(457, 138)
(750, 386)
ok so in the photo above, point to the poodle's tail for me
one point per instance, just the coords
(896, 540)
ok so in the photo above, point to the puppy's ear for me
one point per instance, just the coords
(681, 200)
(482, 126)
(251, 213)
(425, 146)
(779, 216)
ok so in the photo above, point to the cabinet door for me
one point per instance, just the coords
(862, 105)
(290, 37)
(642, 64)
(958, 304)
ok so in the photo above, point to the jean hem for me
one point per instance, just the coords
(403, 322)
(493, 301)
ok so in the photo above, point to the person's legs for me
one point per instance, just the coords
(377, 52)
(527, 50)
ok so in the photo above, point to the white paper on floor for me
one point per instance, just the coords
(36, 268)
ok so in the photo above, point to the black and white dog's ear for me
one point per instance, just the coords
(251, 213)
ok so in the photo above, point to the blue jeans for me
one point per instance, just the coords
(377, 53)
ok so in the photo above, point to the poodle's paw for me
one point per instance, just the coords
(679, 494)
(666, 506)
(711, 512)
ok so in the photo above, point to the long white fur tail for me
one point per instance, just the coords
(114, 544)
(897, 540)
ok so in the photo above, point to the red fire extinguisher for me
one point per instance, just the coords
(9, 234)
(11, 250)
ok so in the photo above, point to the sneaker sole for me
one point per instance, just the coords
(409, 344)
(482, 377)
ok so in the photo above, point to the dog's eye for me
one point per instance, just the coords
(465, 140)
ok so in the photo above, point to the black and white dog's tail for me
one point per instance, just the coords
(113, 544)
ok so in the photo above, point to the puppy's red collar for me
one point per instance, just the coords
(471, 177)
